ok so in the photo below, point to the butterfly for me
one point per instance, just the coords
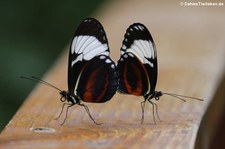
(92, 75)
(138, 68)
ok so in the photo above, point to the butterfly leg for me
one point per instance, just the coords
(155, 110)
(88, 112)
(143, 111)
(67, 108)
(60, 112)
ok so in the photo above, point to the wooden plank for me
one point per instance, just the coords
(190, 44)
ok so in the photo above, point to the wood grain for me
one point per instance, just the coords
(190, 45)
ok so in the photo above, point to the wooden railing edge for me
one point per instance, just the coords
(213, 119)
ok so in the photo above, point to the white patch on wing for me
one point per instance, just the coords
(136, 27)
(108, 61)
(143, 49)
(113, 66)
(102, 57)
(87, 47)
(73, 45)
(141, 27)
(124, 46)
(87, 20)
(79, 58)
(105, 53)
(104, 38)
(84, 43)
(131, 55)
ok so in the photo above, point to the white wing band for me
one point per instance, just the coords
(87, 47)
(143, 49)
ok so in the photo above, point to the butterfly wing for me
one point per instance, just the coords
(92, 74)
(137, 66)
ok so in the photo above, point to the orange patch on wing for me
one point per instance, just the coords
(138, 90)
(145, 71)
(88, 94)
(127, 85)
(104, 89)
(134, 91)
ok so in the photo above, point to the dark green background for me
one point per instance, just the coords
(32, 35)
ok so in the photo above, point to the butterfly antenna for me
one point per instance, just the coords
(33, 78)
(180, 97)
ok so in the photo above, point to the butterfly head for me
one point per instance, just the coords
(66, 96)
(155, 94)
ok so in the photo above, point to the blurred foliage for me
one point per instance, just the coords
(32, 35)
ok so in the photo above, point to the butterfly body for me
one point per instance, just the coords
(69, 98)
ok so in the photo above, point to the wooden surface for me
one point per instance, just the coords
(190, 45)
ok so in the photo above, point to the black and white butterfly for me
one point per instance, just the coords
(92, 75)
(137, 67)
